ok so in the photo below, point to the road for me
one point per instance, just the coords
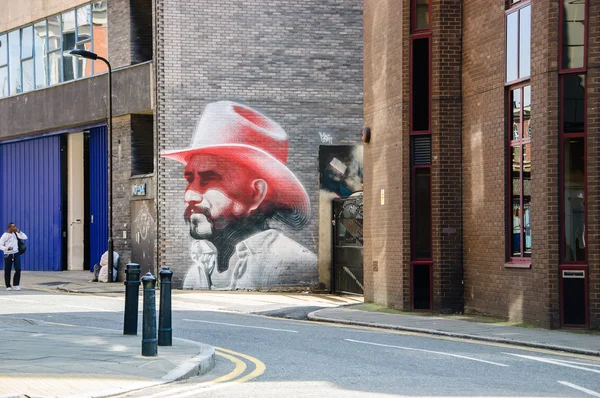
(259, 356)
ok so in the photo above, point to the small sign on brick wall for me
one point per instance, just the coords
(138, 190)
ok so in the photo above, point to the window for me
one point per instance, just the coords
(420, 84)
(420, 15)
(573, 14)
(3, 66)
(100, 34)
(518, 43)
(520, 173)
(27, 58)
(84, 40)
(68, 44)
(14, 61)
(54, 58)
(39, 38)
(573, 170)
(37, 55)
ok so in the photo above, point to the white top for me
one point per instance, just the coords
(10, 240)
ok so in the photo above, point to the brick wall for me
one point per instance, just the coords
(593, 156)
(298, 62)
(129, 32)
(121, 189)
(529, 295)
(386, 157)
(446, 152)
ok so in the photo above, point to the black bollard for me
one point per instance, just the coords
(165, 333)
(149, 348)
(132, 294)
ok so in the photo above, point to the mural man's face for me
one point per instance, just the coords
(219, 193)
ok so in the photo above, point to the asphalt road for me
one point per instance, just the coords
(261, 356)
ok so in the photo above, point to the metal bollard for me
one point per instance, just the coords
(149, 348)
(132, 294)
(165, 332)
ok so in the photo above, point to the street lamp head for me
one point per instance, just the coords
(84, 54)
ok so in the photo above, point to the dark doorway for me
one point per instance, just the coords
(421, 286)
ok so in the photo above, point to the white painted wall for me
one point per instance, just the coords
(76, 210)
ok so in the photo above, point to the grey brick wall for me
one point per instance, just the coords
(298, 62)
(129, 32)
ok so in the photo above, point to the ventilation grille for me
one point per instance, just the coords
(421, 150)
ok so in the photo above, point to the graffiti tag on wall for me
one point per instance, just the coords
(237, 180)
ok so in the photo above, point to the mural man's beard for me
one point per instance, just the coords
(202, 227)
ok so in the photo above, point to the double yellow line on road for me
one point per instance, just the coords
(240, 366)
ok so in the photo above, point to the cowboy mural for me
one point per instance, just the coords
(238, 181)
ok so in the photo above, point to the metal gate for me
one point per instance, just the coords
(347, 242)
(31, 196)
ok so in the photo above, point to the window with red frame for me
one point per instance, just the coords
(518, 43)
(573, 131)
(520, 173)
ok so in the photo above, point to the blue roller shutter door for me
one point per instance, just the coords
(31, 197)
(98, 178)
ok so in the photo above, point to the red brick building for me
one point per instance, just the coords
(481, 170)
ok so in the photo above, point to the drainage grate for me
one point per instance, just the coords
(52, 283)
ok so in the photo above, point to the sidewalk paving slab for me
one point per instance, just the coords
(55, 360)
(578, 343)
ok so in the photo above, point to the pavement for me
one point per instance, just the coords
(54, 360)
(560, 340)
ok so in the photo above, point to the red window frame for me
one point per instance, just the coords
(583, 69)
(412, 38)
(418, 34)
(565, 136)
(522, 141)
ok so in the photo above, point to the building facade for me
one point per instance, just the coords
(223, 115)
(480, 175)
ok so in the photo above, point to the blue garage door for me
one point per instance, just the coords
(98, 180)
(31, 197)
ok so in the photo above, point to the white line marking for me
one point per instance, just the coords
(242, 326)
(88, 308)
(578, 363)
(432, 352)
(553, 362)
(582, 389)
(19, 300)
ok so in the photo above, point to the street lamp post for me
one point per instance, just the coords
(94, 56)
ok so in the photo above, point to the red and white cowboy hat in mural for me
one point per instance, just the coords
(247, 137)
